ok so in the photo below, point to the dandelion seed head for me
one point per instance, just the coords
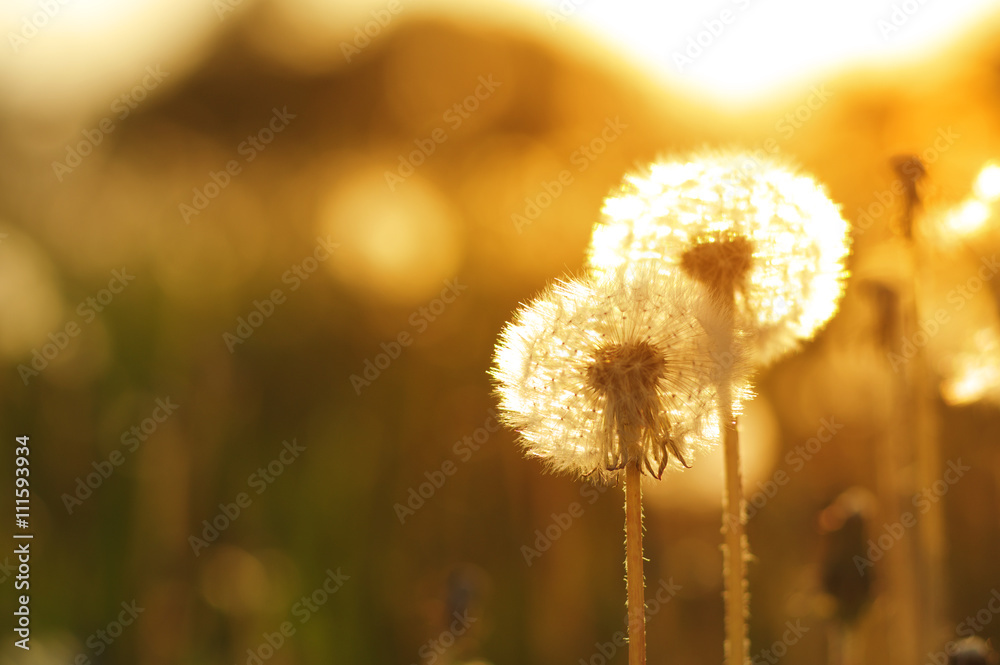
(721, 263)
(733, 221)
(601, 371)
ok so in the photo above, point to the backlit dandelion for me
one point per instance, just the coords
(754, 228)
(612, 374)
(596, 373)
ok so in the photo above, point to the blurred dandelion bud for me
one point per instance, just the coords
(759, 234)
(605, 371)
(973, 651)
(845, 525)
(910, 172)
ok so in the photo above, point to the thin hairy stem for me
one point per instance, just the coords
(633, 565)
(734, 564)
(722, 265)
(737, 597)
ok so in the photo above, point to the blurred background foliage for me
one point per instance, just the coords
(568, 116)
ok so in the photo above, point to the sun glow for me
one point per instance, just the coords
(746, 48)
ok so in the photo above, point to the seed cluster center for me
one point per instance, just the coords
(721, 264)
(627, 371)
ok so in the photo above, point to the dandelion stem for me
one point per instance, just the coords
(733, 562)
(910, 443)
(722, 266)
(735, 547)
(633, 565)
(928, 568)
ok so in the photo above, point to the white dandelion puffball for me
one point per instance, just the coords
(601, 372)
(756, 231)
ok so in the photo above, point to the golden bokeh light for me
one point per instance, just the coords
(974, 375)
(971, 217)
(72, 59)
(397, 246)
(234, 580)
(987, 185)
(968, 218)
(29, 295)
